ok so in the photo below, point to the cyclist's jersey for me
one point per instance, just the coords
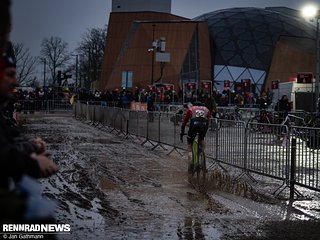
(196, 113)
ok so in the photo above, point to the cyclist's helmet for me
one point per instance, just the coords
(197, 103)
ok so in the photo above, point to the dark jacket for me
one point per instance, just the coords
(283, 106)
(14, 160)
(210, 103)
(150, 105)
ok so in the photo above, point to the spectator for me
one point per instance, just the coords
(263, 100)
(283, 107)
(239, 99)
(97, 96)
(210, 103)
(150, 106)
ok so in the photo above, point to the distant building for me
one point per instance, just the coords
(231, 44)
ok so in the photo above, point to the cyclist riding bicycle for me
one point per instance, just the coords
(199, 117)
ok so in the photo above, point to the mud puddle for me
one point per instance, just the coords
(112, 188)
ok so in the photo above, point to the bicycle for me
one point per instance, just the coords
(231, 118)
(291, 125)
(292, 120)
(198, 160)
(234, 115)
(264, 117)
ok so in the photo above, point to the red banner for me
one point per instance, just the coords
(227, 84)
(160, 89)
(206, 85)
(191, 86)
(304, 77)
(275, 84)
(151, 88)
(168, 87)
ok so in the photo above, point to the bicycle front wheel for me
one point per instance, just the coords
(203, 167)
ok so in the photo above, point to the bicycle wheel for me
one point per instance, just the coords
(203, 166)
(253, 124)
(192, 168)
(238, 117)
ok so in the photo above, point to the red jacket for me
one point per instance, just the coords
(194, 112)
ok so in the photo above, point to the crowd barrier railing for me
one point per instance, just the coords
(254, 148)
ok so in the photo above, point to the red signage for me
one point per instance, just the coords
(275, 84)
(206, 85)
(292, 79)
(168, 87)
(304, 77)
(227, 84)
(160, 89)
(191, 86)
(151, 88)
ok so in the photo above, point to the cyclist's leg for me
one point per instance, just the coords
(190, 138)
(202, 130)
(201, 140)
(202, 134)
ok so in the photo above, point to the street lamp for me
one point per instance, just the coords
(153, 47)
(312, 12)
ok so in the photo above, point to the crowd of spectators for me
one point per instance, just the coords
(122, 98)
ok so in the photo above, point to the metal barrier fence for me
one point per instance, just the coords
(31, 106)
(307, 164)
(265, 149)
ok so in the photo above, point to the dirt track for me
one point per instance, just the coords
(109, 187)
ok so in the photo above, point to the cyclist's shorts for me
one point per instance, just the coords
(197, 125)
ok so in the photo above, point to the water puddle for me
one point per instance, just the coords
(193, 228)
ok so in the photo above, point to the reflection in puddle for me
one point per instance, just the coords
(192, 229)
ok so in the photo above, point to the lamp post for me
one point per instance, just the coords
(312, 12)
(153, 47)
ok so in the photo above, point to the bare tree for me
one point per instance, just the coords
(90, 51)
(56, 53)
(25, 63)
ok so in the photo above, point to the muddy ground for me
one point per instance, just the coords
(109, 187)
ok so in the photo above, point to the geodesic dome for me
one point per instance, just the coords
(246, 37)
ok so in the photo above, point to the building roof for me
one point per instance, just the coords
(246, 37)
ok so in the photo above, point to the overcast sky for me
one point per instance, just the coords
(35, 19)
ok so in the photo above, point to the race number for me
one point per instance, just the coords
(200, 113)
